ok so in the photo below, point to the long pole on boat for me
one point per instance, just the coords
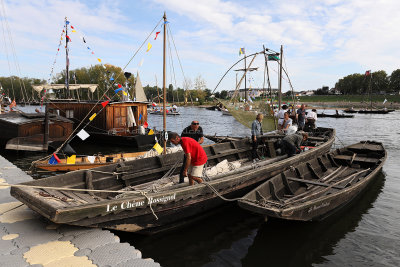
(67, 59)
(245, 78)
(280, 80)
(164, 89)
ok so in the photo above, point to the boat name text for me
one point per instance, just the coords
(142, 203)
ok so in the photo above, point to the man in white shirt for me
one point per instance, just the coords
(280, 115)
(311, 119)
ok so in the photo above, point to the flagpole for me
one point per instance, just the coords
(164, 89)
(280, 80)
(67, 59)
(245, 78)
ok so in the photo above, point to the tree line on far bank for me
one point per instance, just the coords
(360, 84)
(21, 89)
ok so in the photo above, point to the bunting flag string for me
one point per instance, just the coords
(148, 47)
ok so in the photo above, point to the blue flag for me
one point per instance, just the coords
(112, 79)
(140, 116)
(53, 160)
(117, 90)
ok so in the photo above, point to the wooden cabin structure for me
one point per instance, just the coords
(25, 131)
(118, 123)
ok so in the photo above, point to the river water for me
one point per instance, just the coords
(367, 233)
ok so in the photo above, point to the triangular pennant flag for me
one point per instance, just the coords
(140, 116)
(88, 47)
(71, 160)
(125, 93)
(385, 101)
(151, 132)
(111, 78)
(72, 27)
(119, 86)
(91, 159)
(67, 22)
(148, 47)
(141, 62)
(92, 53)
(73, 31)
(165, 22)
(93, 116)
(99, 59)
(54, 159)
(84, 40)
(157, 33)
(145, 124)
(158, 148)
(83, 134)
(117, 90)
(105, 103)
(67, 149)
(68, 39)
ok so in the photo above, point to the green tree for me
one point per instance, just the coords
(394, 81)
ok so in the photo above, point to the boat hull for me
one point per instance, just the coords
(311, 209)
(180, 203)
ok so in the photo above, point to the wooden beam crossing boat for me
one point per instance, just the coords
(316, 188)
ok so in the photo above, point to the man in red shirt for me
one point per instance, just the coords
(195, 157)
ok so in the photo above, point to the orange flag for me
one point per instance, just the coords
(13, 104)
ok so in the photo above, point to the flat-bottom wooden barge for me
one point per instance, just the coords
(319, 187)
(153, 202)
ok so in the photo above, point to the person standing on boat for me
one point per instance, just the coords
(311, 119)
(287, 122)
(292, 142)
(256, 133)
(301, 117)
(280, 115)
(194, 131)
(196, 157)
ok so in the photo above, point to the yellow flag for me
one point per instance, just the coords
(151, 132)
(71, 160)
(124, 93)
(99, 59)
(148, 47)
(73, 31)
(92, 117)
(158, 148)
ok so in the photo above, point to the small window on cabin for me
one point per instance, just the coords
(69, 113)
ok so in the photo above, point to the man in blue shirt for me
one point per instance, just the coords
(256, 133)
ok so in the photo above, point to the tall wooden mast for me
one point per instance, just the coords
(66, 58)
(164, 89)
(280, 80)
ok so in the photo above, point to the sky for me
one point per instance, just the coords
(323, 41)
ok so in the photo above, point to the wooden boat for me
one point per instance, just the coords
(25, 131)
(141, 195)
(317, 188)
(350, 110)
(226, 112)
(83, 163)
(338, 116)
(169, 113)
(119, 123)
(373, 111)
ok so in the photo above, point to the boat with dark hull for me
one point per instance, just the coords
(27, 131)
(317, 188)
(337, 116)
(144, 194)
